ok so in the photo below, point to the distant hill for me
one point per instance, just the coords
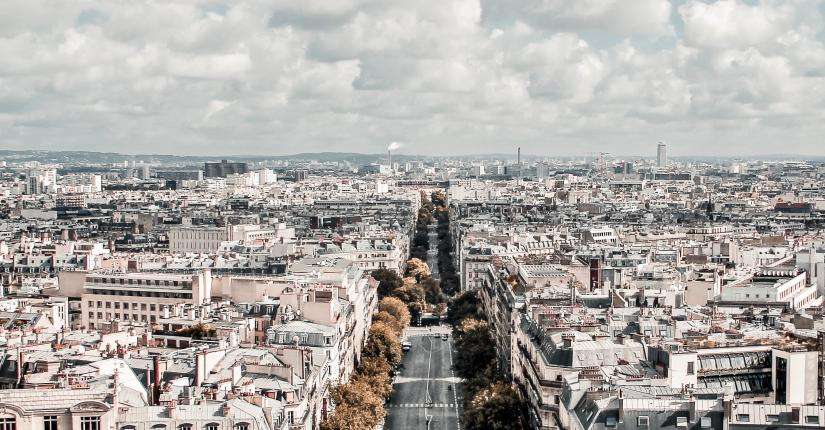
(92, 157)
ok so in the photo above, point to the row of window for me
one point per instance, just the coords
(117, 305)
(131, 281)
(773, 418)
(50, 423)
(189, 426)
(127, 317)
(130, 293)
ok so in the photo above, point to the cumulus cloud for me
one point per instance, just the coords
(454, 76)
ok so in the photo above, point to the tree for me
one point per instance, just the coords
(388, 281)
(375, 372)
(417, 269)
(414, 296)
(440, 309)
(357, 407)
(383, 343)
(464, 305)
(384, 317)
(498, 407)
(432, 291)
(474, 347)
(398, 309)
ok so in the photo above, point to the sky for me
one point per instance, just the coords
(440, 77)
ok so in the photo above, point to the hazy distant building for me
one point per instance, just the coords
(180, 175)
(224, 168)
(661, 155)
(542, 170)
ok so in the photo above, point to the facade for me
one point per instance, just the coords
(224, 168)
(138, 297)
(661, 155)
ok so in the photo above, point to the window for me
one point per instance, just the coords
(159, 427)
(290, 417)
(705, 423)
(89, 423)
(690, 368)
(812, 419)
(772, 418)
(211, 426)
(50, 422)
(128, 427)
(242, 426)
(8, 423)
(643, 421)
(743, 418)
(185, 426)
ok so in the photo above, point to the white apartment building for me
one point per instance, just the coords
(207, 239)
(773, 288)
(57, 409)
(135, 296)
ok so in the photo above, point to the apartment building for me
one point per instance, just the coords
(58, 409)
(139, 296)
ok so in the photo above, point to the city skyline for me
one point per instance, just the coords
(464, 77)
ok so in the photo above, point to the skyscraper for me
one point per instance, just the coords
(661, 155)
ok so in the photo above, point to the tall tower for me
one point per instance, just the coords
(661, 155)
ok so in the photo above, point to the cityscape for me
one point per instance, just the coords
(429, 214)
(412, 292)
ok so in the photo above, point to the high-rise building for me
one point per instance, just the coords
(661, 155)
(220, 170)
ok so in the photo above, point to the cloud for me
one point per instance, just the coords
(454, 76)
(729, 24)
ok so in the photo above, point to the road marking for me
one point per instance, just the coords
(422, 405)
(455, 390)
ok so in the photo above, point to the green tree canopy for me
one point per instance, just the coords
(499, 407)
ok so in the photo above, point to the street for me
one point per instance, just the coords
(432, 253)
(421, 392)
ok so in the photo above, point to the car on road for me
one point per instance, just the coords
(445, 336)
(406, 345)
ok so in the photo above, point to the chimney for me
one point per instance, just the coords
(567, 340)
(156, 379)
(200, 368)
(621, 406)
(20, 372)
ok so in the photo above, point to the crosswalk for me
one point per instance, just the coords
(421, 405)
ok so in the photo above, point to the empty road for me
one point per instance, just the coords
(421, 393)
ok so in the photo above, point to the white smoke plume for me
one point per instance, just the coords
(394, 146)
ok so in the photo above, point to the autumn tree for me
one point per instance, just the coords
(383, 343)
(357, 407)
(499, 406)
(384, 317)
(397, 308)
(418, 269)
(413, 295)
(375, 372)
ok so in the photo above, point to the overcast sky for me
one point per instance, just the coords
(446, 77)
